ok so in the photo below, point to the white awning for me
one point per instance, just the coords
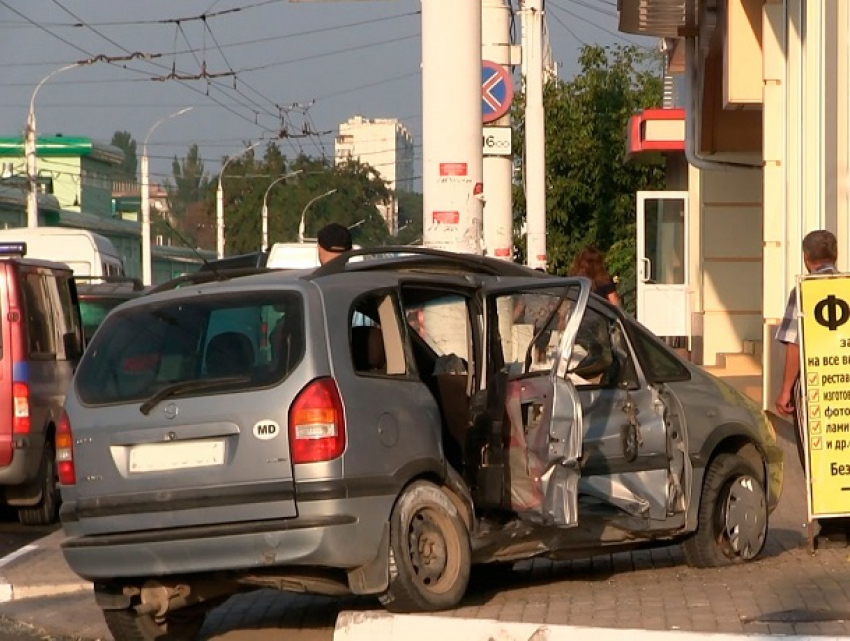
(661, 18)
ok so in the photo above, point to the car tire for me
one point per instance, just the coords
(430, 557)
(129, 625)
(732, 520)
(46, 510)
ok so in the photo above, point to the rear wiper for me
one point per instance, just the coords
(188, 386)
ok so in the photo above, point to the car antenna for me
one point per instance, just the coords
(207, 263)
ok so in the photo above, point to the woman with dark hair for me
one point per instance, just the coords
(590, 262)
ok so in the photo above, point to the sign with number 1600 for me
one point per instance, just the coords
(497, 141)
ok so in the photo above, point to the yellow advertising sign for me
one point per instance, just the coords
(824, 303)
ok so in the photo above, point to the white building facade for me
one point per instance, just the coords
(384, 144)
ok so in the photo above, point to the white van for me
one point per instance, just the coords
(297, 255)
(293, 256)
(87, 253)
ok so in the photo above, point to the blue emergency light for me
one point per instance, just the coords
(13, 250)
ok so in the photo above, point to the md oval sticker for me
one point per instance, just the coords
(266, 430)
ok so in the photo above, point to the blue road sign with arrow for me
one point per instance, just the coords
(497, 90)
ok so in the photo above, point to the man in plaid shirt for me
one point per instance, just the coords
(820, 251)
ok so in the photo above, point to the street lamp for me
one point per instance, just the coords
(219, 200)
(146, 199)
(30, 149)
(265, 242)
(304, 213)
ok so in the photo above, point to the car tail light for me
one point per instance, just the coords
(20, 408)
(316, 423)
(65, 452)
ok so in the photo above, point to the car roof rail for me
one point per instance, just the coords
(95, 280)
(414, 256)
(200, 277)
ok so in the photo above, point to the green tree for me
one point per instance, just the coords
(409, 218)
(125, 142)
(187, 199)
(590, 190)
(358, 193)
(190, 182)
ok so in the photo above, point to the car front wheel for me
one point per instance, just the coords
(430, 557)
(732, 522)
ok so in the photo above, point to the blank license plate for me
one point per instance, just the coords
(159, 457)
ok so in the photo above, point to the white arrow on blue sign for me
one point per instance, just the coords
(497, 91)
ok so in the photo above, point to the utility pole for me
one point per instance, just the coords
(452, 163)
(146, 199)
(535, 133)
(498, 163)
(219, 200)
(30, 142)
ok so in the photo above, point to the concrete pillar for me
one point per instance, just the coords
(452, 167)
(535, 133)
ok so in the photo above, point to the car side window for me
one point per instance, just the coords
(38, 314)
(600, 355)
(375, 336)
(440, 329)
(660, 366)
(63, 285)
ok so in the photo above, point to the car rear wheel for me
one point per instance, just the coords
(430, 558)
(732, 525)
(129, 625)
(45, 511)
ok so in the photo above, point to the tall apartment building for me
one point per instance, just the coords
(384, 144)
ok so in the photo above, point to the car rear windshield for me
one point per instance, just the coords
(93, 311)
(245, 341)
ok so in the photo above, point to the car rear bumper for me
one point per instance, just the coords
(331, 534)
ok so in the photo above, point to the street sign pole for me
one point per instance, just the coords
(498, 167)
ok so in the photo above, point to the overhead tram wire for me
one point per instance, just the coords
(329, 53)
(87, 53)
(587, 5)
(212, 82)
(121, 47)
(569, 31)
(46, 30)
(229, 66)
(224, 88)
(309, 32)
(619, 36)
(71, 44)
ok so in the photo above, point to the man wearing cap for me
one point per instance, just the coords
(333, 240)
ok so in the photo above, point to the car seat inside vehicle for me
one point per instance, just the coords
(367, 349)
(229, 354)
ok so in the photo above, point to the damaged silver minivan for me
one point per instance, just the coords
(377, 427)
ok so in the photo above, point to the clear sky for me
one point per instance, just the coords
(271, 64)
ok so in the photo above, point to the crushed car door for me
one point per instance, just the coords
(634, 444)
(530, 327)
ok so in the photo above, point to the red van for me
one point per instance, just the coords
(40, 345)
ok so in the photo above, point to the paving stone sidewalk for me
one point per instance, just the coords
(787, 592)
